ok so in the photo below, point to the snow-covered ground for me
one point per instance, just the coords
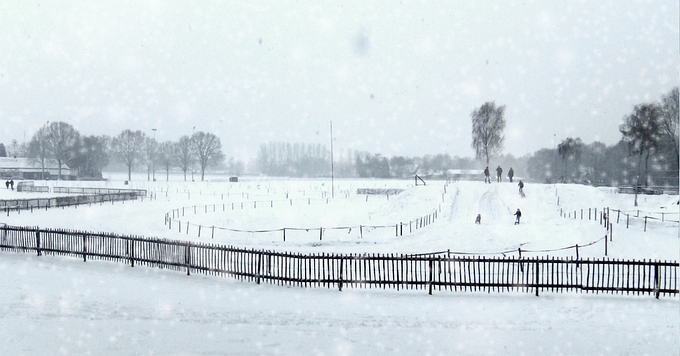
(56, 305)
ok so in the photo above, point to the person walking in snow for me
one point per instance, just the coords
(487, 179)
(521, 187)
(511, 174)
(518, 214)
(499, 172)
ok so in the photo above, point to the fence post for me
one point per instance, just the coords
(431, 262)
(284, 234)
(627, 220)
(538, 276)
(340, 274)
(605, 245)
(320, 233)
(187, 255)
(132, 252)
(259, 266)
(657, 288)
(645, 223)
(37, 241)
(84, 247)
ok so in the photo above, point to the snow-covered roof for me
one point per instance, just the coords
(27, 164)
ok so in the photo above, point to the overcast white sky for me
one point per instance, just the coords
(395, 78)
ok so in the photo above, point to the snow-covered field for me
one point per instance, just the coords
(55, 305)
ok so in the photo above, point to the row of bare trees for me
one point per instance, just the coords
(88, 155)
(649, 140)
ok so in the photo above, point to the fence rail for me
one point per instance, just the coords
(90, 190)
(355, 270)
(54, 202)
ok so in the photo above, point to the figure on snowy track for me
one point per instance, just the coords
(487, 179)
(478, 219)
(518, 214)
(499, 174)
(511, 174)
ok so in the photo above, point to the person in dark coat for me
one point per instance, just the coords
(487, 179)
(518, 214)
(511, 174)
(7, 184)
(11, 184)
(499, 174)
(478, 219)
(521, 187)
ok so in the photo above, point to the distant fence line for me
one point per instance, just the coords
(173, 220)
(606, 217)
(395, 271)
(87, 197)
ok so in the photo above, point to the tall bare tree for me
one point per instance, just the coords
(184, 154)
(569, 150)
(38, 148)
(670, 118)
(166, 157)
(150, 147)
(93, 155)
(642, 132)
(128, 147)
(62, 140)
(208, 150)
(488, 124)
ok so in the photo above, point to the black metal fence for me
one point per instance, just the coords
(396, 271)
(86, 197)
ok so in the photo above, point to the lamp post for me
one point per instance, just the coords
(153, 156)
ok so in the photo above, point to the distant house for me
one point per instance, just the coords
(26, 168)
(465, 174)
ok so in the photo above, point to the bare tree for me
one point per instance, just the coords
(38, 148)
(128, 147)
(62, 140)
(642, 131)
(184, 154)
(208, 150)
(569, 150)
(669, 119)
(93, 155)
(166, 157)
(149, 155)
(487, 130)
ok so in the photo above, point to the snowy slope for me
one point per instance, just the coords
(55, 305)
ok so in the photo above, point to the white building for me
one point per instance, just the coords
(26, 168)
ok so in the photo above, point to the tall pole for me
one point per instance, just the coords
(153, 156)
(332, 169)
